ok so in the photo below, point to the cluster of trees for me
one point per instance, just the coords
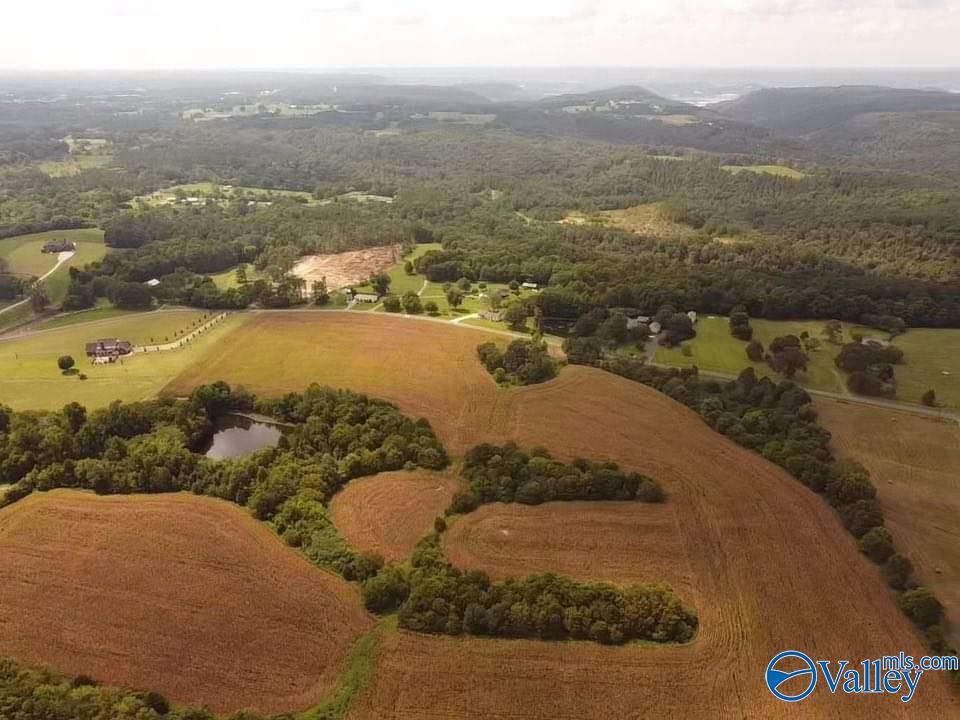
(11, 286)
(151, 447)
(740, 326)
(870, 367)
(507, 474)
(786, 355)
(40, 694)
(523, 362)
(778, 421)
(442, 599)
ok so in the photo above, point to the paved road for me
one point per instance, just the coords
(61, 259)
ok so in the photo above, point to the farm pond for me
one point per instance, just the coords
(238, 436)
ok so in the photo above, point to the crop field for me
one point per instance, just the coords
(179, 593)
(30, 379)
(915, 465)
(779, 170)
(389, 513)
(347, 268)
(770, 567)
(614, 541)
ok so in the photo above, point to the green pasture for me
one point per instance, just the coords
(30, 378)
(779, 170)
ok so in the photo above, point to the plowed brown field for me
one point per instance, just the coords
(388, 513)
(574, 539)
(770, 566)
(915, 465)
(177, 593)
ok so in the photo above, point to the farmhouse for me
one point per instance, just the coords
(492, 315)
(529, 286)
(107, 350)
(152, 282)
(59, 246)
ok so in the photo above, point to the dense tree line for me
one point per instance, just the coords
(507, 474)
(778, 421)
(523, 362)
(445, 600)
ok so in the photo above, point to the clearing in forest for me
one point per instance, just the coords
(768, 561)
(389, 513)
(178, 593)
(345, 269)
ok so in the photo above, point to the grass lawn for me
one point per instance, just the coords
(781, 170)
(716, 350)
(29, 378)
(228, 278)
(75, 164)
(23, 255)
(103, 311)
(400, 282)
(90, 247)
(928, 353)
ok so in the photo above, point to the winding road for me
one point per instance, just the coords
(61, 259)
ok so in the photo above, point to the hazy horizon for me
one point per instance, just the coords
(336, 34)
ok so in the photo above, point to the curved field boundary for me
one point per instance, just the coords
(771, 566)
(389, 513)
(178, 593)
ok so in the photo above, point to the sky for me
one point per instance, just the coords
(326, 34)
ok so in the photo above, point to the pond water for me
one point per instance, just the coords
(238, 436)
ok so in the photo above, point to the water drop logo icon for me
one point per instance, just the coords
(777, 675)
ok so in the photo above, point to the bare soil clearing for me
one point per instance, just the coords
(186, 595)
(915, 465)
(769, 563)
(347, 268)
(389, 513)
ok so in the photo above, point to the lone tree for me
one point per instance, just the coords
(929, 398)
(39, 298)
(65, 362)
(755, 351)
(380, 282)
(454, 297)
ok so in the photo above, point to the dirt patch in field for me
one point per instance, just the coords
(347, 268)
(614, 541)
(177, 593)
(388, 513)
(915, 465)
(769, 563)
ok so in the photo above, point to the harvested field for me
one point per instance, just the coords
(915, 465)
(613, 541)
(388, 513)
(347, 268)
(770, 565)
(178, 593)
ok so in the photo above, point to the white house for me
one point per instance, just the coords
(153, 282)
(655, 327)
(530, 286)
(366, 297)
